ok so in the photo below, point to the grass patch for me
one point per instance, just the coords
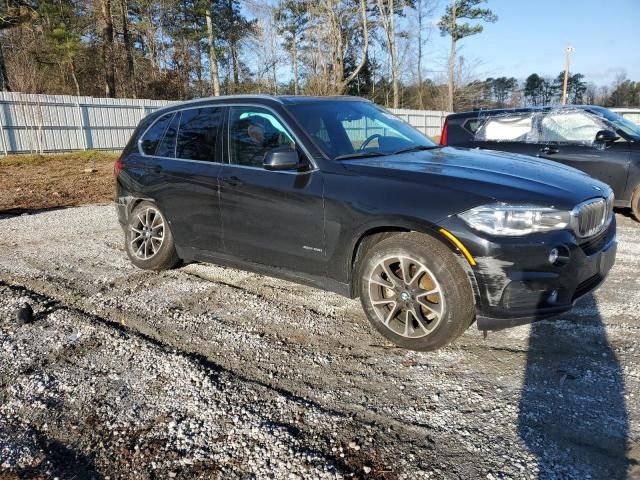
(33, 182)
(71, 157)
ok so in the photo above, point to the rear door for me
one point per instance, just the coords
(273, 218)
(186, 189)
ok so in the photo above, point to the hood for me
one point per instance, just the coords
(497, 176)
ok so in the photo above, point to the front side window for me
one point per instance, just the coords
(152, 137)
(253, 132)
(347, 128)
(619, 123)
(632, 116)
(570, 127)
(198, 134)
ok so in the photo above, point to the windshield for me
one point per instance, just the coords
(353, 128)
(625, 125)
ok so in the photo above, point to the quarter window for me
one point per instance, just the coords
(198, 133)
(253, 132)
(154, 135)
(167, 147)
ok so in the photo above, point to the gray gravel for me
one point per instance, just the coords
(208, 372)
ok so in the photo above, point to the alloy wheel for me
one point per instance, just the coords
(147, 233)
(406, 296)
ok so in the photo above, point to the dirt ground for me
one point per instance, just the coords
(210, 372)
(34, 182)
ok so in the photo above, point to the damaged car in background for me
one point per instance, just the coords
(593, 139)
(337, 193)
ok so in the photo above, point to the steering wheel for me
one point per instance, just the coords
(369, 139)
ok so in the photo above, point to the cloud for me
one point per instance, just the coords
(607, 74)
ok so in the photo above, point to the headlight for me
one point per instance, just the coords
(515, 220)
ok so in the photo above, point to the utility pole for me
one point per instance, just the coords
(568, 50)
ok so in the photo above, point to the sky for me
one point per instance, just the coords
(531, 36)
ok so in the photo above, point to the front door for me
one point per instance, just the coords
(568, 136)
(272, 218)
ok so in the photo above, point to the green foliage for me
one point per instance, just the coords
(64, 45)
(464, 9)
(625, 94)
(576, 87)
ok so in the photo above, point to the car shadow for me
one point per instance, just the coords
(572, 414)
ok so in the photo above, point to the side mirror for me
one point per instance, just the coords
(282, 158)
(606, 136)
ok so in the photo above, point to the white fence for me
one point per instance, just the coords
(429, 122)
(51, 123)
(32, 123)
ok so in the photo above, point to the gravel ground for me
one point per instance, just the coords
(209, 372)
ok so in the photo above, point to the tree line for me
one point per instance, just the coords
(181, 49)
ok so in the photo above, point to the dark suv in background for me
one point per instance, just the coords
(592, 139)
(340, 194)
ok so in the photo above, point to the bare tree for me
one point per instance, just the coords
(213, 58)
(337, 37)
(292, 17)
(108, 49)
(386, 11)
(128, 47)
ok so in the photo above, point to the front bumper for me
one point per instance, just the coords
(516, 283)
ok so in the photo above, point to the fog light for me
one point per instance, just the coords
(553, 297)
(554, 254)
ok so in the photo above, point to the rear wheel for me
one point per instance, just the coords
(415, 293)
(148, 239)
(635, 203)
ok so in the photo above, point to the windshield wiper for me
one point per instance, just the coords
(416, 148)
(361, 155)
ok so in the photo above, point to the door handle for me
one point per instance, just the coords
(156, 169)
(549, 150)
(233, 181)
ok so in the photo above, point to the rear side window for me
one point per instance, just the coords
(505, 128)
(152, 137)
(198, 134)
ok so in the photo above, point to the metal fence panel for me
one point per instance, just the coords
(429, 122)
(31, 123)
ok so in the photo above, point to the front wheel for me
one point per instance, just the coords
(148, 239)
(415, 293)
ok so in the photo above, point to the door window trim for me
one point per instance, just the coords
(175, 112)
(225, 127)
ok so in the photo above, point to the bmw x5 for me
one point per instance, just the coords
(339, 194)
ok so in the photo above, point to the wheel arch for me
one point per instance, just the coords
(376, 233)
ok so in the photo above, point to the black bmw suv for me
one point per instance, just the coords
(590, 138)
(339, 194)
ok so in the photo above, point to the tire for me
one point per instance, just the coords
(148, 239)
(635, 203)
(437, 294)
